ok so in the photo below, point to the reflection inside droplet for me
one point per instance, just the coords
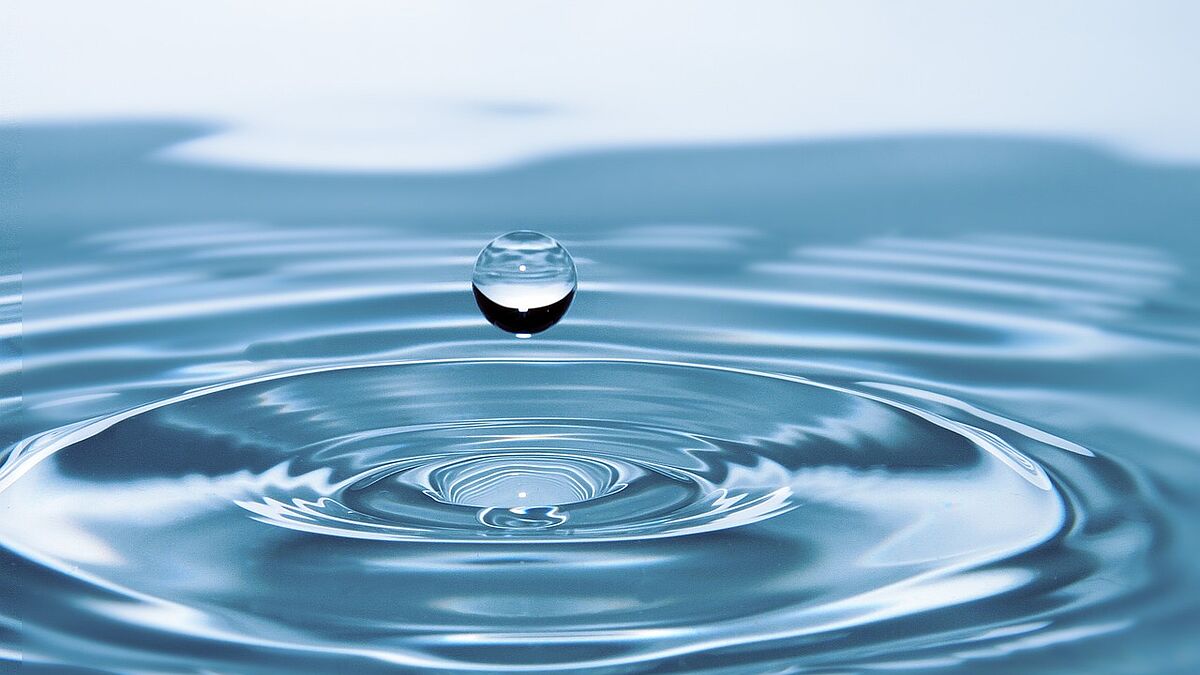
(524, 282)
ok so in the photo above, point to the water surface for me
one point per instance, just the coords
(908, 404)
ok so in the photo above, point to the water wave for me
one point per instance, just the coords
(304, 447)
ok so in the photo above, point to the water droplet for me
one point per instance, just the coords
(524, 282)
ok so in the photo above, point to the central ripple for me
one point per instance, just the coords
(521, 480)
(542, 451)
(463, 502)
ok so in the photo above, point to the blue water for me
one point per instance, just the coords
(896, 404)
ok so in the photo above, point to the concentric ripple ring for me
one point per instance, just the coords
(438, 446)
(882, 502)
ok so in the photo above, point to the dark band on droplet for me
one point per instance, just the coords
(532, 320)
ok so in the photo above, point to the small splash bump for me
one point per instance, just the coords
(522, 518)
(524, 282)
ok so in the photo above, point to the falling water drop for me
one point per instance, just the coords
(524, 282)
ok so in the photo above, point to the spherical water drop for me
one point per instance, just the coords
(524, 282)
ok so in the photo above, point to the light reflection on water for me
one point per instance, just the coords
(812, 409)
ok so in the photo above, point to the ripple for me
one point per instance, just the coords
(944, 486)
(522, 479)
(880, 508)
